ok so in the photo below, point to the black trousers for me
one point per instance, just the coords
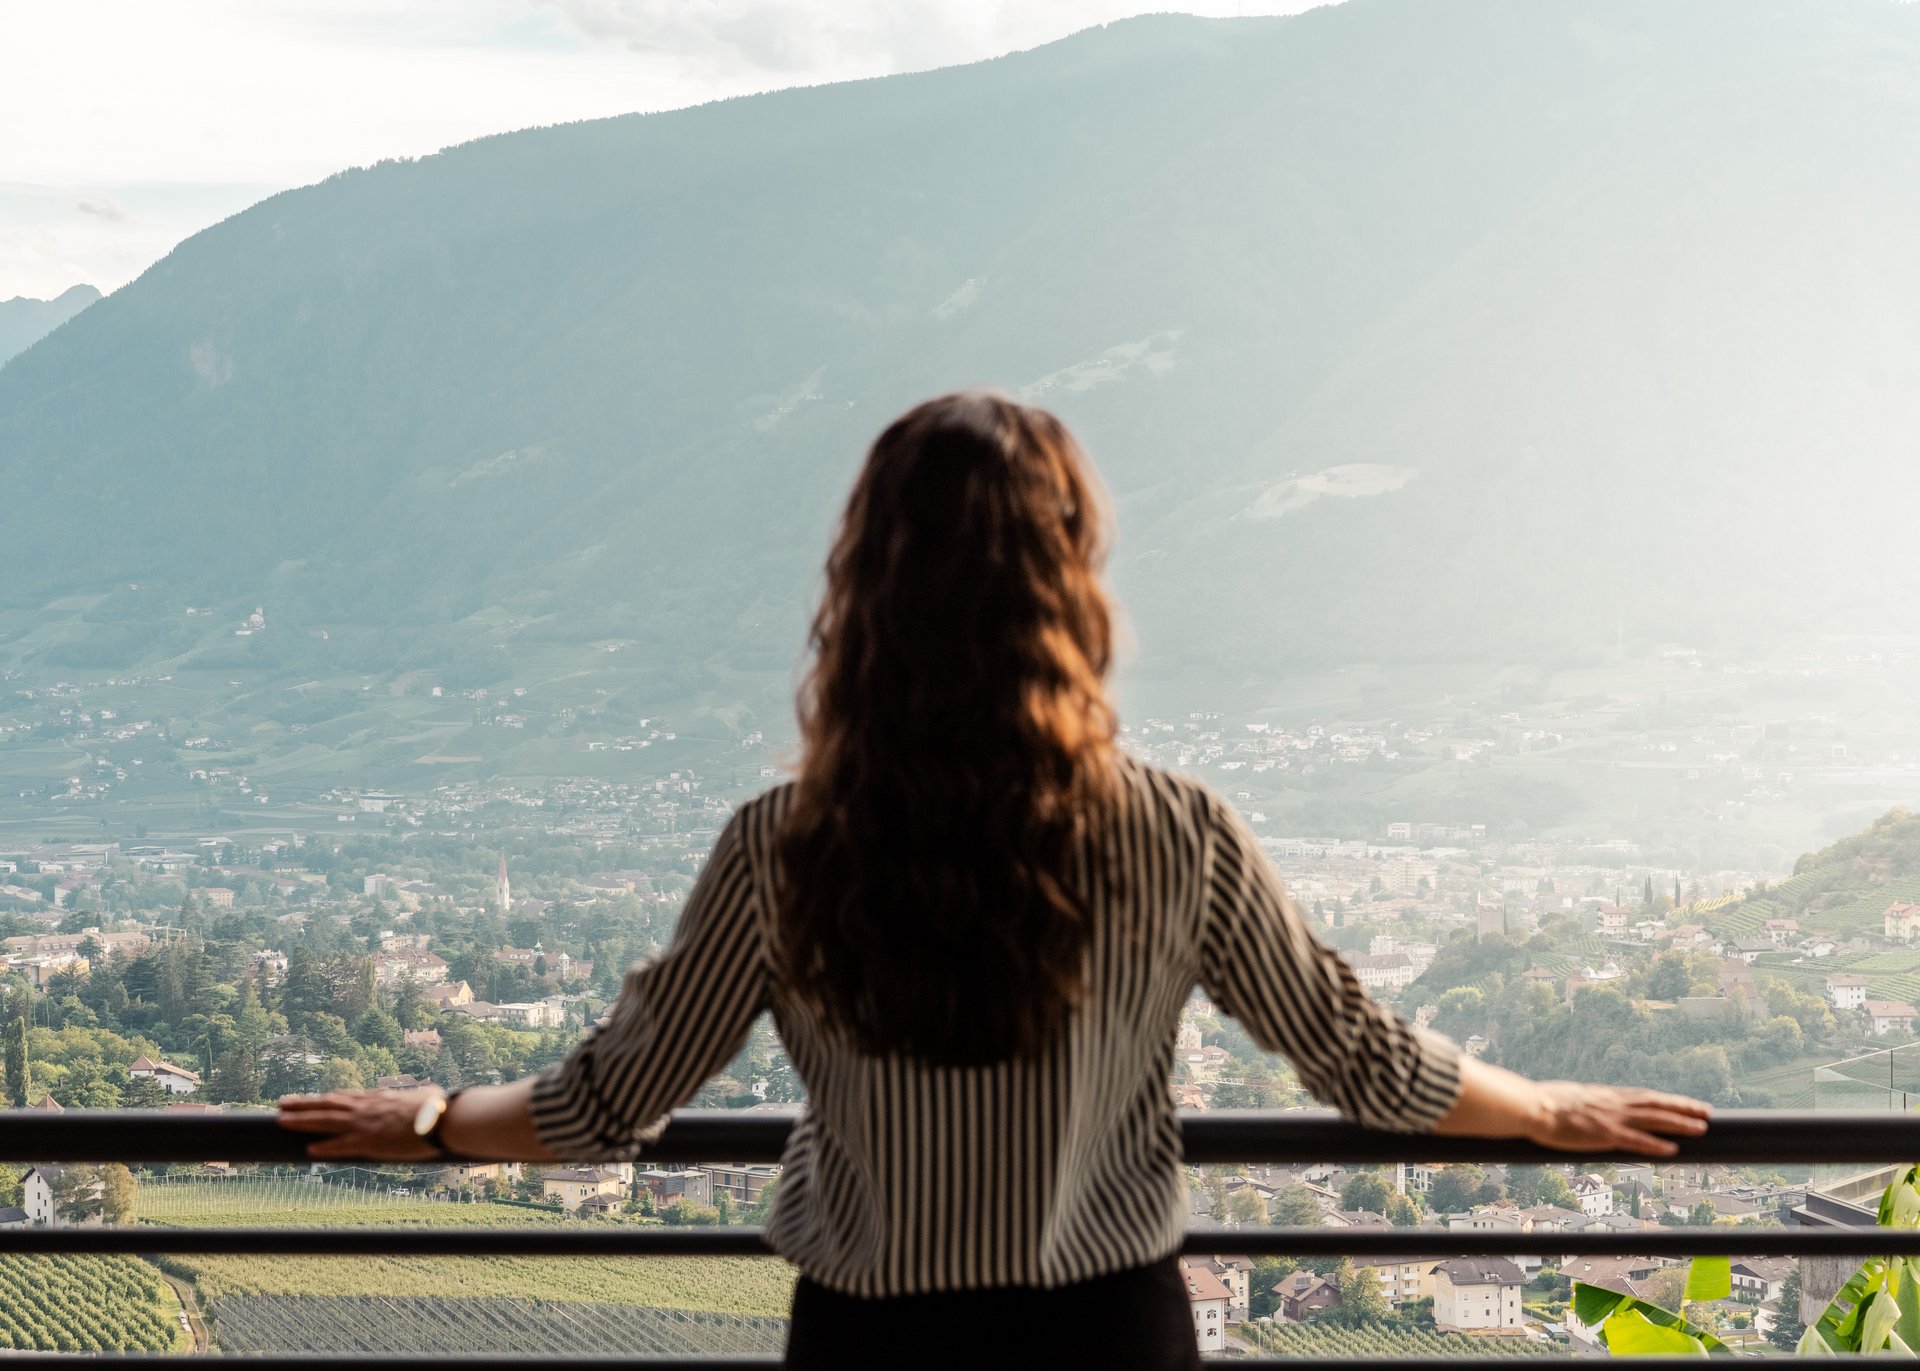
(1135, 1320)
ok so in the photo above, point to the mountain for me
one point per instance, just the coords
(24, 322)
(1401, 330)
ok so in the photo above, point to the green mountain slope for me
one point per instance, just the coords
(1400, 330)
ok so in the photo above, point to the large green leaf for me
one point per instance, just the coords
(1596, 1305)
(1709, 1278)
(1629, 1333)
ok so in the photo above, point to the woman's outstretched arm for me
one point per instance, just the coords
(486, 1123)
(1495, 1103)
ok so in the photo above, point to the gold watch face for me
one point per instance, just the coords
(429, 1115)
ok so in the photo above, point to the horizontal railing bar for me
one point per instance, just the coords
(64, 1361)
(1744, 1136)
(611, 1241)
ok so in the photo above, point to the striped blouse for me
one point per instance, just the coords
(903, 1176)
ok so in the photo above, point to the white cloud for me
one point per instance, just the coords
(106, 208)
(163, 112)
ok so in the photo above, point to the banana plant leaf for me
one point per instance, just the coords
(1630, 1333)
(1597, 1306)
(1709, 1278)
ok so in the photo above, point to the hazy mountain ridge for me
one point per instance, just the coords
(25, 321)
(1609, 277)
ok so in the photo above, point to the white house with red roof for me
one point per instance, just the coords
(175, 1080)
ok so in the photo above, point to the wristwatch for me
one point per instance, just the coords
(428, 1121)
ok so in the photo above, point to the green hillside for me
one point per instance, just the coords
(1841, 892)
(1370, 316)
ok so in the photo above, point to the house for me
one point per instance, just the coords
(1626, 1275)
(1847, 991)
(37, 1197)
(1780, 932)
(1594, 1194)
(46, 1104)
(595, 1205)
(1760, 1278)
(218, 897)
(1550, 1218)
(410, 964)
(1901, 921)
(175, 1080)
(1610, 921)
(1403, 1280)
(741, 1184)
(1304, 1293)
(530, 1014)
(689, 1183)
(1356, 1218)
(423, 1038)
(1236, 1274)
(1750, 950)
(1477, 1292)
(1383, 971)
(1889, 1016)
(444, 996)
(1207, 1298)
(574, 1185)
(12, 1216)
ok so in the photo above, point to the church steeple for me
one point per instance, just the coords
(502, 893)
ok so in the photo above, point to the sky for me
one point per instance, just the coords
(128, 125)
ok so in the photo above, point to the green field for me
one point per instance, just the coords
(403, 1325)
(749, 1286)
(86, 1304)
(1311, 1340)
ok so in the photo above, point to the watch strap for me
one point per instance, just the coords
(434, 1136)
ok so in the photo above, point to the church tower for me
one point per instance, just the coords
(502, 893)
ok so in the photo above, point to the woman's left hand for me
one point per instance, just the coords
(376, 1125)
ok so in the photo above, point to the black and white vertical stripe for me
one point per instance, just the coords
(905, 1177)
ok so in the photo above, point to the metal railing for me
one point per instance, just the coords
(1736, 1137)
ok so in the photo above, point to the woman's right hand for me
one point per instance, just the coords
(1574, 1117)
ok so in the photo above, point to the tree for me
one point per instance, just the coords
(1787, 1329)
(1295, 1207)
(1267, 1273)
(1555, 1190)
(11, 1178)
(1460, 1187)
(377, 1028)
(78, 1193)
(1367, 1191)
(116, 1193)
(237, 1077)
(760, 1209)
(19, 1068)
(1702, 1215)
(1671, 977)
(143, 1092)
(1403, 1212)
(1666, 1287)
(1523, 1183)
(1646, 896)
(1244, 1206)
(1361, 1299)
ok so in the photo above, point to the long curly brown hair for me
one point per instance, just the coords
(957, 740)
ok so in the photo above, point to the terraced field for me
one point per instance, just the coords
(86, 1304)
(747, 1287)
(1311, 1340)
(400, 1325)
